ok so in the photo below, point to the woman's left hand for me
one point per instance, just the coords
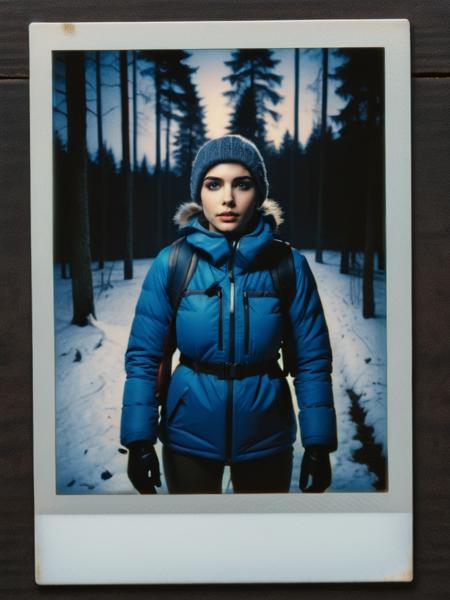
(315, 464)
(143, 467)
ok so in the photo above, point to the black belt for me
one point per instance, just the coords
(233, 370)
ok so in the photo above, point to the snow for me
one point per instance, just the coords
(90, 377)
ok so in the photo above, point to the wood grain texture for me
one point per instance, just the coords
(431, 309)
(430, 21)
(431, 306)
(16, 472)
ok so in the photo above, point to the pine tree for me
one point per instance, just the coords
(252, 80)
(361, 127)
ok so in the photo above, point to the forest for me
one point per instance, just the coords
(112, 205)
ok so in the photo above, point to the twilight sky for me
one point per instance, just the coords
(210, 87)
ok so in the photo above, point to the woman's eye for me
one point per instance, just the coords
(212, 185)
(245, 185)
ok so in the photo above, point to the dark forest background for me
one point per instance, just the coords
(331, 188)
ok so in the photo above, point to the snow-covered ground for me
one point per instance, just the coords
(90, 377)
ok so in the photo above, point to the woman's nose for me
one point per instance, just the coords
(228, 196)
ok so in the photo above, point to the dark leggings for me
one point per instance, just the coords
(195, 475)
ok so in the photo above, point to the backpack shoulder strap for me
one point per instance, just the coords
(182, 264)
(282, 271)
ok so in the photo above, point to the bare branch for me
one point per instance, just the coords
(110, 110)
(59, 111)
(112, 66)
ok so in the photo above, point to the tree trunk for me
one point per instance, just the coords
(135, 114)
(82, 291)
(128, 192)
(294, 171)
(375, 158)
(323, 135)
(167, 190)
(158, 183)
(345, 262)
(134, 176)
(101, 164)
(368, 296)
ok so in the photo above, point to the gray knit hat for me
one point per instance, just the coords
(229, 148)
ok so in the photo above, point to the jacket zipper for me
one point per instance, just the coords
(246, 323)
(229, 411)
(219, 295)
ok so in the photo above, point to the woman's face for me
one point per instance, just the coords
(229, 197)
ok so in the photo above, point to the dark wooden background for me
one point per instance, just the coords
(430, 25)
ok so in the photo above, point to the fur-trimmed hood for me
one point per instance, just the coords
(187, 210)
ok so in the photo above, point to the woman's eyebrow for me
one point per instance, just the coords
(235, 179)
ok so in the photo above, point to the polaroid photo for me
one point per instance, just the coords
(221, 281)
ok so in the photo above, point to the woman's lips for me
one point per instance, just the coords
(228, 217)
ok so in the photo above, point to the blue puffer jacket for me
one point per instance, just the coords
(229, 313)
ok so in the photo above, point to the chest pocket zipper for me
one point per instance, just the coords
(213, 290)
(247, 295)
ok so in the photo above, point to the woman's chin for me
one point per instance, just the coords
(226, 227)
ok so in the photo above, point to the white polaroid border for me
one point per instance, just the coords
(122, 539)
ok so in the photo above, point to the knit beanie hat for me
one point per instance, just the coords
(229, 148)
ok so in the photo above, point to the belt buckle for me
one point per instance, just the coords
(232, 370)
(228, 371)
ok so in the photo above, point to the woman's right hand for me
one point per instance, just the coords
(143, 467)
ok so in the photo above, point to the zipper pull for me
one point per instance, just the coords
(234, 248)
(213, 289)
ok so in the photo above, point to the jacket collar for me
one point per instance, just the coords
(217, 246)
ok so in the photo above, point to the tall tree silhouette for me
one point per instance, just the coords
(191, 133)
(174, 96)
(294, 171)
(177, 81)
(62, 237)
(176, 85)
(101, 161)
(155, 59)
(323, 137)
(126, 174)
(82, 291)
(362, 126)
(252, 80)
(134, 96)
(296, 97)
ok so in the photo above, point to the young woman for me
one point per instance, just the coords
(228, 401)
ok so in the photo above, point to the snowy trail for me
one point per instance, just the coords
(359, 364)
(90, 376)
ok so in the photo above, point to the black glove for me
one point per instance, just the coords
(143, 467)
(315, 463)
